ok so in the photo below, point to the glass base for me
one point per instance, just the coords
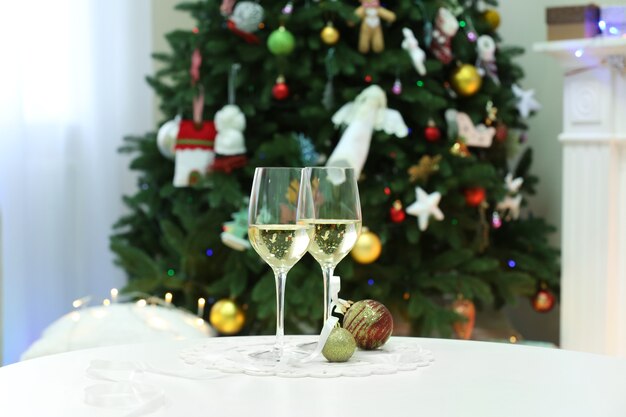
(273, 355)
(307, 347)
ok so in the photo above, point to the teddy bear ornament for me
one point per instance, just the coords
(371, 33)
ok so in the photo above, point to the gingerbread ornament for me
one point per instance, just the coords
(371, 35)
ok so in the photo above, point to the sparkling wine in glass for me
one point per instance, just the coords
(331, 208)
(275, 234)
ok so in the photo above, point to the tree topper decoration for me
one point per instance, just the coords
(368, 112)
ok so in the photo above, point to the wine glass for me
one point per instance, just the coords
(276, 235)
(331, 207)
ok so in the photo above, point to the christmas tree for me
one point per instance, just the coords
(280, 84)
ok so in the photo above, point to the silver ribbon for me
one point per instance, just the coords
(120, 390)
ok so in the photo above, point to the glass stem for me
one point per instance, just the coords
(327, 271)
(280, 278)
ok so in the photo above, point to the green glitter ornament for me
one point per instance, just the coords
(281, 42)
(340, 345)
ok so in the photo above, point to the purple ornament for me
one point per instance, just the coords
(496, 221)
(523, 137)
(397, 87)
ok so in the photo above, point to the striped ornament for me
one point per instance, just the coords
(369, 322)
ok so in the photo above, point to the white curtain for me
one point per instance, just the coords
(71, 86)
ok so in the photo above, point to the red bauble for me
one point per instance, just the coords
(465, 308)
(369, 322)
(396, 213)
(432, 132)
(280, 91)
(543, 301)
(474, 196)
(502, 132)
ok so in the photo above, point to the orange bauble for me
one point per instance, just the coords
(465, 308)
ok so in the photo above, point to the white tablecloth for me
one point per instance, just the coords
(466, 379)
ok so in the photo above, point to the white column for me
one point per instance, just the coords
(593, 280)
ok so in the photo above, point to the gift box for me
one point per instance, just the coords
(613, 20)
(572, 22)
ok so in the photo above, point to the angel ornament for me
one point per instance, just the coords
(486, 61)
(411, 45)
(446, 27)
(368, 112)
(371, 35)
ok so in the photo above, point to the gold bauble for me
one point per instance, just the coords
(493, 18)
(227, 317)
(329, 34)
(368, 248)
(466, 80)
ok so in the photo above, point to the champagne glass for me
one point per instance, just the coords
(331, 207)
(275, 234)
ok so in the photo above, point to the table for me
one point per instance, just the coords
(467, 379)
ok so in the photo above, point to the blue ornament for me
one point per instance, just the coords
(308, 154)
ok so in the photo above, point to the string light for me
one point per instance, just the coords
(288, 8)
(168, 298)
(455, 222)
(368, 78)
(141, 303)
(171, 272)
(513, 339)
(106, 302)
(370, 282)
(579, 53)
(77, 303)
(209, 252)
(387, 191)
(511, 263)
(462, 23)
(602, 25)
(406, 295)
(420, 83)
(201, 304)
(114, 293)
(195, 30)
